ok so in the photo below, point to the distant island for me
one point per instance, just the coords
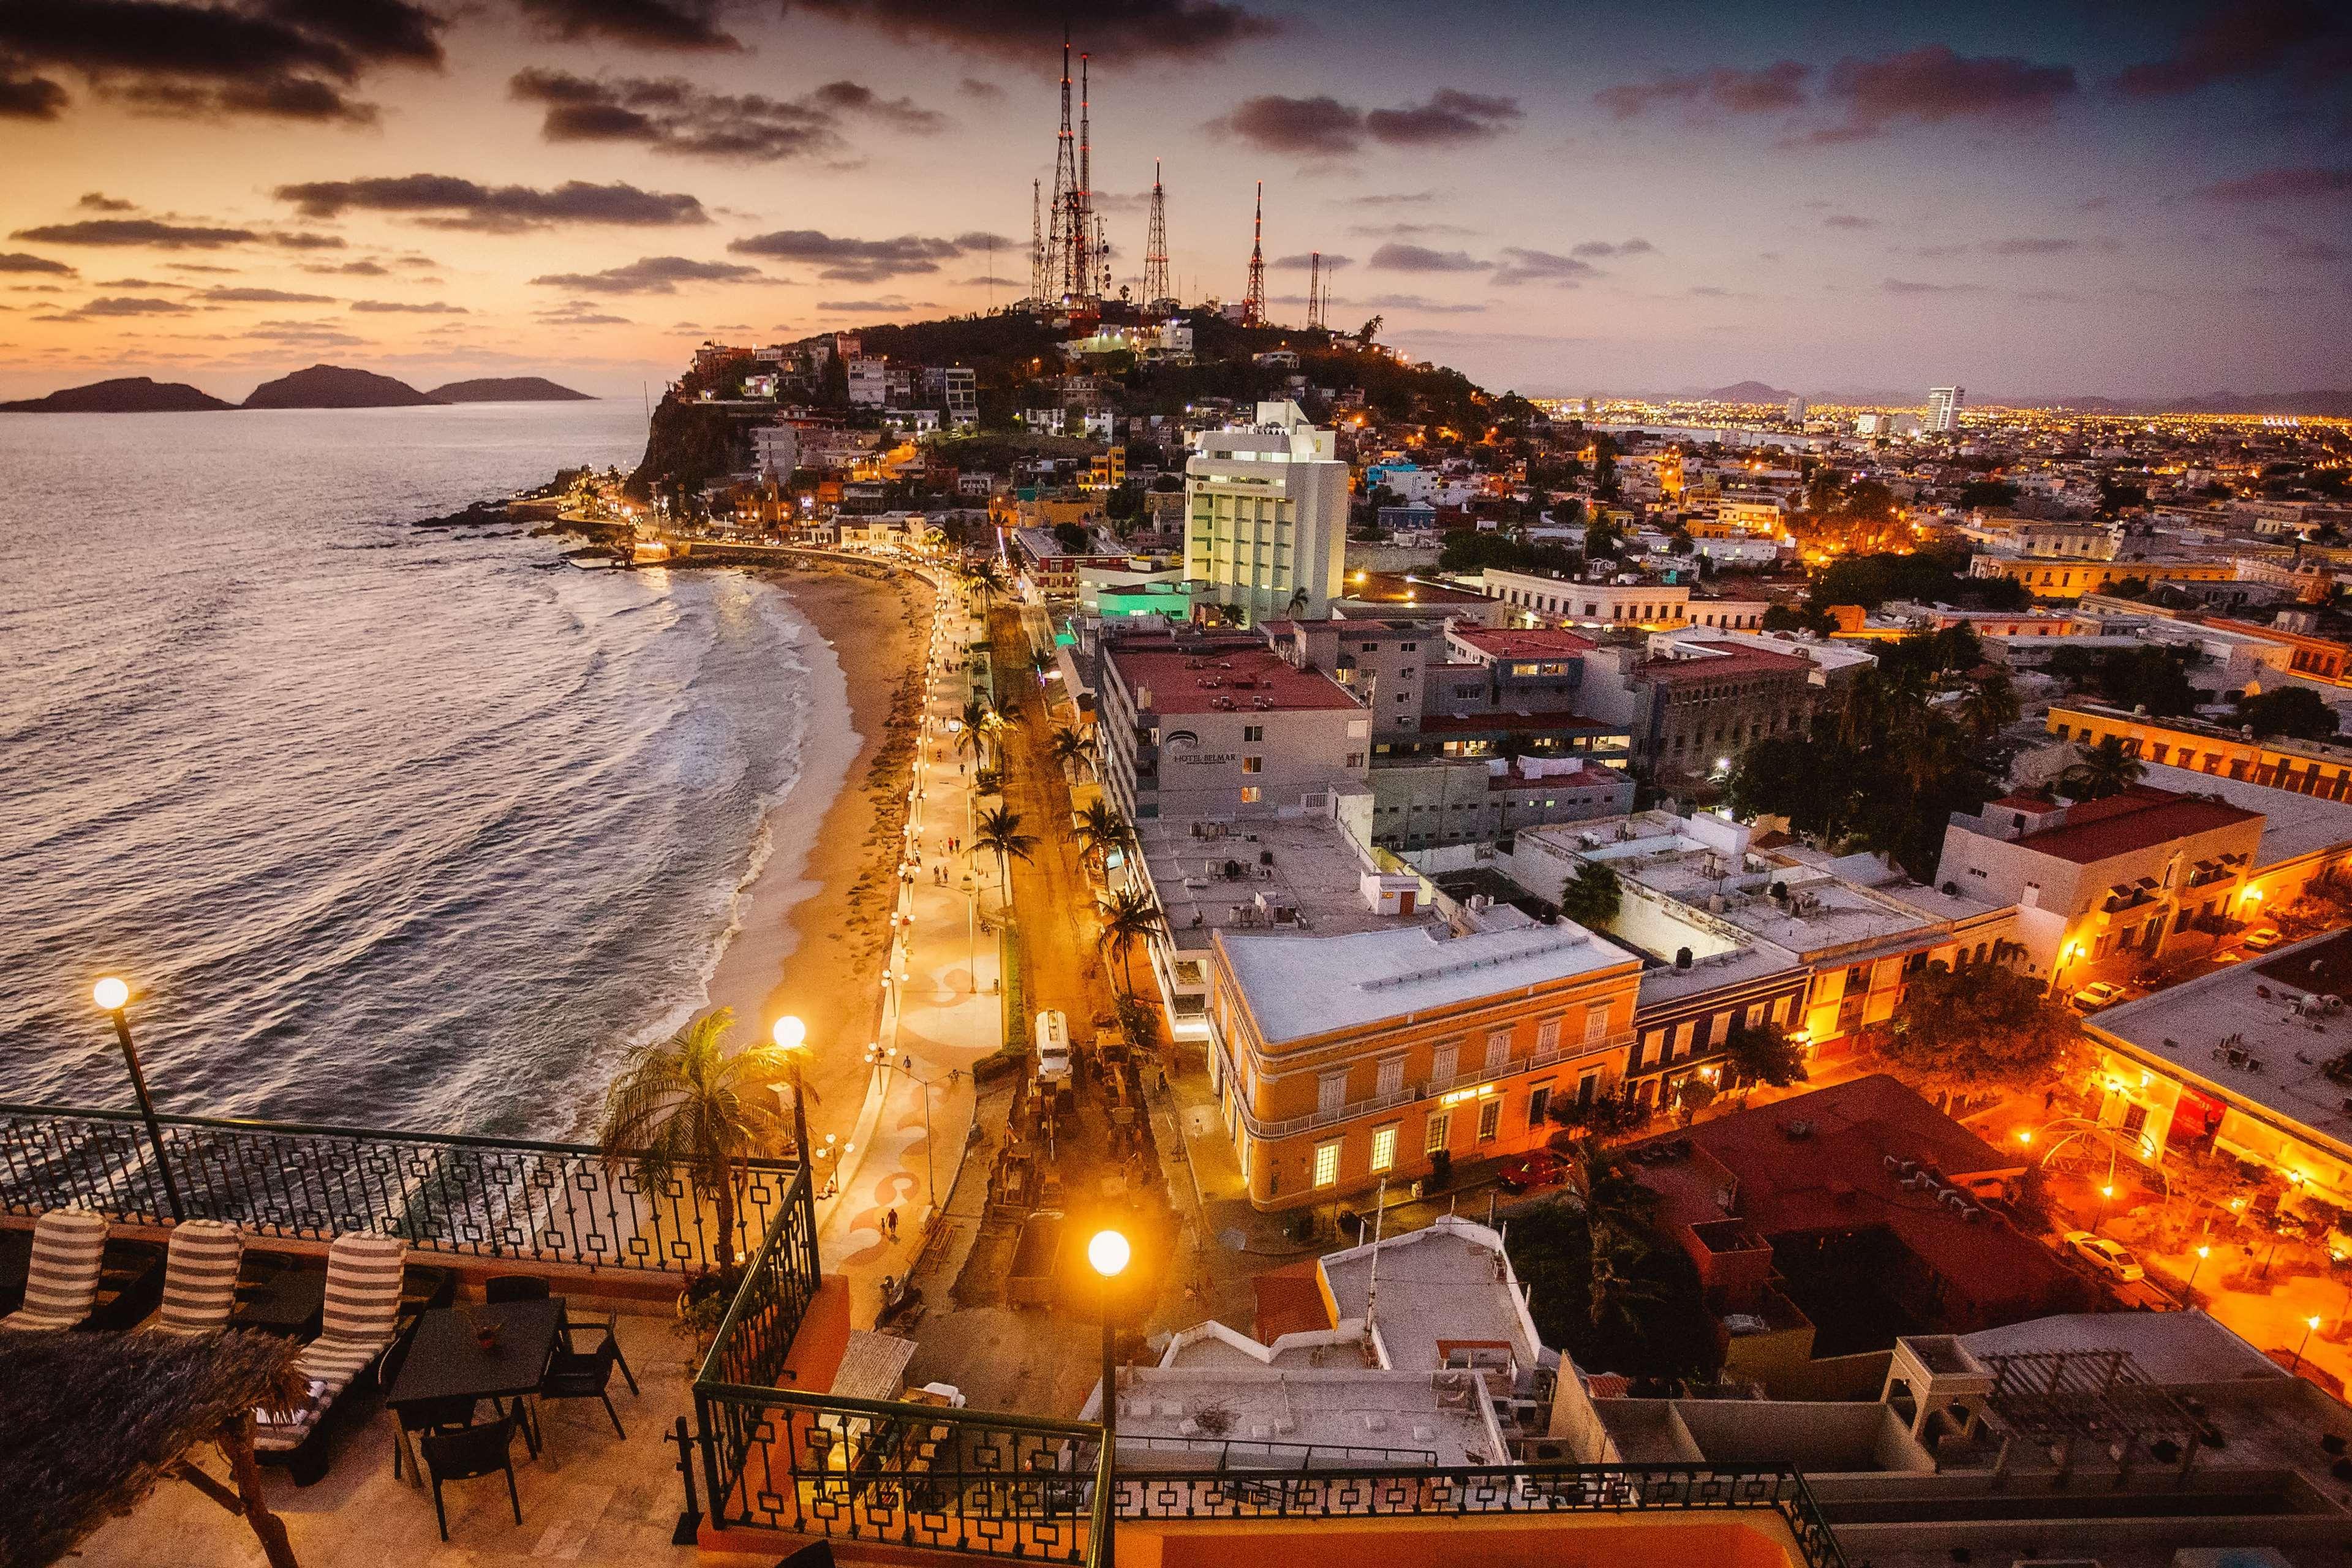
(333, 386)
(125, 394)
(508, 389)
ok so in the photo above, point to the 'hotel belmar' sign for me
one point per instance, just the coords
(1186, 746)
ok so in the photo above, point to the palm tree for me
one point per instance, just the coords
(987, 580)
(2106, 769)
(973, 737)
(1101, 829)
(1000, 834)
(1041, 661)
(1070, 746)
(1990, 707)
(685, 1107)
(1129, 916)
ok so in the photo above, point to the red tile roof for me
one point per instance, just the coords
(1726, 658)
(2140, 817)
(1235, 679)
(1501, 643)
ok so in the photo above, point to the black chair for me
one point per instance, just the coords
(469, 1454)
(611, 1328)
(514, 1288)
(571, 1374)
(437, 1415)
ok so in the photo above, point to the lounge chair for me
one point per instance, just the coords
(356, 1328)
(200, 1277)
(61, 1284)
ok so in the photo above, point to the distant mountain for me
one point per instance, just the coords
(1747, 392)
(508, 389)
(127, 394)
(332, 386)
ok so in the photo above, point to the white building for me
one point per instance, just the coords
(775, 449)
(869, 383)
(1944, 409)
(1267, 514)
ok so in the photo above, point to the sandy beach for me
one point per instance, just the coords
(816, 919)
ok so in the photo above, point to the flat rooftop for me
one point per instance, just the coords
(1179, 1417)
(1533, 642)
(2140, 817)
(1227, 679)
(2293, 825)
(1298, 986)
(1307, 867)
(2249, 1007)
(1446, 1285)
(1698, 659)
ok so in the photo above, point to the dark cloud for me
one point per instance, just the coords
(1449, 116)
(2248, 39)
(845, 261)
(2266, 186)
(672, 115)
(239, 295)
(1407, 230)
(1322, 126)
(1905, 286)
(350, 270)
(119, 305)
(2033, 246)
(22, 261)
(304, 334)
(1332, 261)
(1847, 220)
(293, 59)
(890, 304)
(1621, 247)
(1767, 90)
(1934, 84)
(1415, 302)
(99, 202)
(1520, 265)
(138, 283)
(1393, 199)
(581, 313)
(2293, 246)
(1021, 28)
(651, 274)
(138, 231)
(198, 267)
(986, 91)
(406, 308)
(1398, 258)
(29, 96)
(299, 239)
(446, 201)
(648, 23)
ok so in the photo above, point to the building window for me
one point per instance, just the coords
(1251, 795)
(1498, 1049)
(1391, 1076)
(1442, 1064)
(1331, 1092)
(1596, 1023)
(1440, 1123)
(1548, 1032)
(1252, 732)
(1253, 764)
(1682, 1041)
(1383, 1149)
(1538, 1101)
(1327, 1163)
(1490, 1120)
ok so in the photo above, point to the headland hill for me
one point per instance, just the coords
(319, 386)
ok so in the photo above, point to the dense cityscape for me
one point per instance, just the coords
(1740, 975)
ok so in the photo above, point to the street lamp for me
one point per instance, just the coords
(113, 998)
(2203, 1253)
(791, 1035)
(1108, 1252)
(2308, 1325)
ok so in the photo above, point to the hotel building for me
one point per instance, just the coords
(1267, 514)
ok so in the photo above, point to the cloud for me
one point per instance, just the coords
(889, 304)
(672, 115)
(845, 260)
(138, 231)
(1708, 291)
(406, 307)
(1332, 261)
(986, 91)
(1905, 286)
(30, 97)
(305, 334)
(1415, 302)
(292, 59)
(99, 202)
(24, 261)
(2266, 186)
(1393, 199)
(198, 267)
(1767, 90)
(2032, 245)
(1407, 230)
(350, 270)
(1322, 126)
(2292, 247)
(1399, 257)
(2247, 39)
(138, 283)
(1603, 247)
(1847, 220)
(651, 274)
(1523, 266)
(648, 23)
(581, 313)
(446, 201)
(1931, 85)
(301, 240)
(1021, 29)
(119, 305)
(227, 296)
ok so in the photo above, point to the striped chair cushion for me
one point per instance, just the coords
(363, 1288)
(275, 1431)
(200, 1280)
(68, 1246)
(336, 1362)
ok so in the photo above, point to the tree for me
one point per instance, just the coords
(1608, 1295)
(1129, 916)
(1368, 332)
(1989, 706)
(1963, 1032)
(1072, 538)
(1979, 493)
(684, 1107)
(1100, 830)
(2106, 769)
(1764, 1054)
(1070, 746)
(1000, 834)
(1592, 897)
(1693, 1095)
(972, 739)
(1600, 539)
(2296, 711)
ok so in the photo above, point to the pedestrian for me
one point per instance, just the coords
(891, 1219)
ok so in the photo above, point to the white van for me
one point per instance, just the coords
(1053, 1048)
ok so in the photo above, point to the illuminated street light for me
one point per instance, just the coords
(2309, 1325)
(1108, 1252)
(113, 998)
(2202, 1253)
(791, 1035)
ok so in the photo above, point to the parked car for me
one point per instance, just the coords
(2097, 994)
(2109, 1257)
(1053, 1048)
(2261, 939)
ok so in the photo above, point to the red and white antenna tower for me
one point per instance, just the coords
(1314, 290)
(1254, 298)
(1155, 246)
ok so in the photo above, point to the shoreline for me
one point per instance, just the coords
(815, 924)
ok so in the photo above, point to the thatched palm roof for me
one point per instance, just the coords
(90, 1421)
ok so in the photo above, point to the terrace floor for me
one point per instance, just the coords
(590, 1499)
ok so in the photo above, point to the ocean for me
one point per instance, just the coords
(386, 828)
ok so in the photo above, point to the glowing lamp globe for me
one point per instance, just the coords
(1108, 1252)
(111, 995)
(789, 1033)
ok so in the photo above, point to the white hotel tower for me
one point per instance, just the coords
(1265, 510)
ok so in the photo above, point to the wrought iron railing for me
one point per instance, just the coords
(485, 1198)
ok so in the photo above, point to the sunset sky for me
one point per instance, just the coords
(2093, 196)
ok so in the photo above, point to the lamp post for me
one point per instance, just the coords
(791, 1037)
(1108, 1253)
(2308, 1325)
(2203, 1252)
(113, 998)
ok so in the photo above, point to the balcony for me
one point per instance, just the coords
(1291, 1126)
